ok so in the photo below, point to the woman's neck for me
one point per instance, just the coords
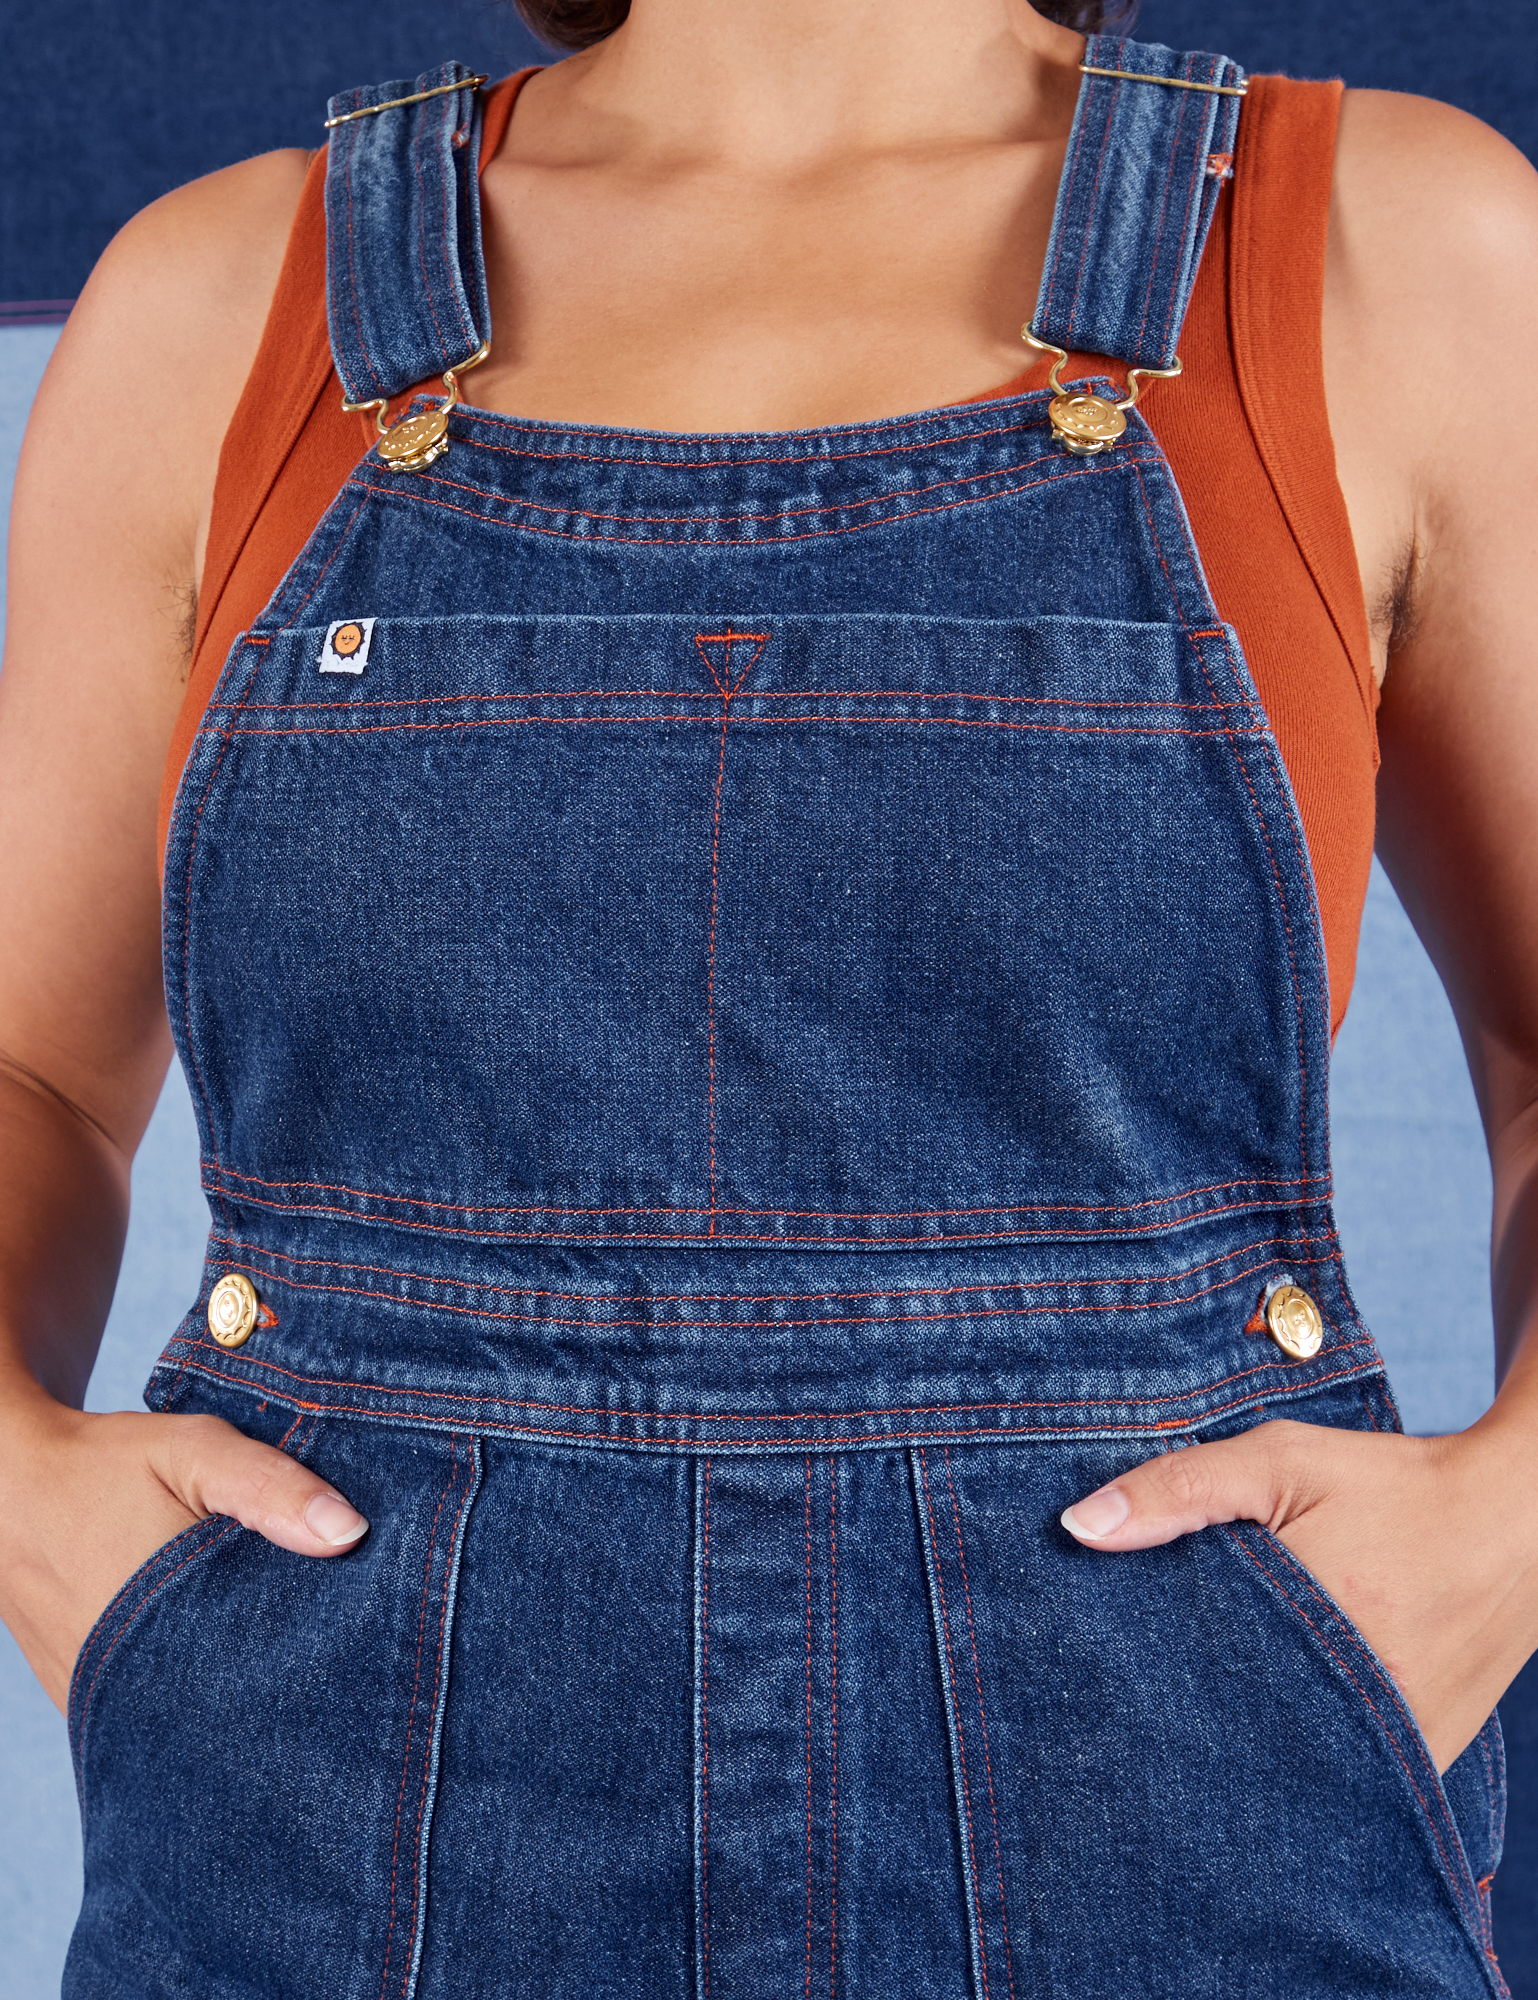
(792, 84)
(767, 214)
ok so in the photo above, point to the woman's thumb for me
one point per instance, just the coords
(1248, 1478)
(212, 1468)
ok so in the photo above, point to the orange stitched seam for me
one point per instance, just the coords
(497, 419)
(342, 541)
(1307, 1386)
(797, 1416)
(1368, 1702)
(1094, 201)
(1265, 835)
(710, 986)
(1055, 1233)
(755, 721)
(953, 484)
(727, 687)
(202, 1549)
(427, 1761)
(1061, 1311)
(792, 1214)
(446, 112)
(1482, 1739)
(808, 1509)
(1249, 704)
(982, 1720)
(192, 852)
(710, 666)
(411, 1708)
(790, 1298)
(1305, 871)
(961, 1747)
(1071, 169)
(415, 497)
(1305, 1578)
(283, 1441)
(1164, 202)
(427, 285)
(353, 138)
(1195, 185)
(833, 1777)
(759, 694)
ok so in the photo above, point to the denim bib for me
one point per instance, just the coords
(759, 1026)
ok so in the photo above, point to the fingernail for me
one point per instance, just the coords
(329, 1516)
(1098, 1516)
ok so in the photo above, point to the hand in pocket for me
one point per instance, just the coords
(1429, 1545)
(86, 1500)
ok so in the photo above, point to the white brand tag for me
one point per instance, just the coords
(346, 647)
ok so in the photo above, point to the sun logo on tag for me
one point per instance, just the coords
(346, 647)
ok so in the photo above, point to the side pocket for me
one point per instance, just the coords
(258, 1739)
(170, 1561)
(172, 1564)
(1363, 1680)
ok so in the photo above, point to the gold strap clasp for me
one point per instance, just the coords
(414, 443)
(1085, 423)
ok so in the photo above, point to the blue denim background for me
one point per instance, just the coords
(1413, 1183)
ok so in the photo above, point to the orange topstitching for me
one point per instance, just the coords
(956, 1723)
(1268, 513)
(784, 1298)
(982, 1714)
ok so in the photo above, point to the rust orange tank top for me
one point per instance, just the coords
(1245, 430)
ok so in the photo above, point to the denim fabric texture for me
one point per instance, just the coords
(1146, 166)
(771, 1039)
(412, 180)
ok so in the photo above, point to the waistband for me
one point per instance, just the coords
(727, 1350)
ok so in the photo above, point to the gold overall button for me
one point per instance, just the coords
(1294, 1323)
(1087, 424)
(232, 1309)
(415, 443)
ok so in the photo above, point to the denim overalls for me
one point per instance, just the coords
(758, 1019)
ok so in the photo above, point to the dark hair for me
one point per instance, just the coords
(577, 24)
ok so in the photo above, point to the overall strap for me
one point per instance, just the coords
(405, 277)
(1152, 144)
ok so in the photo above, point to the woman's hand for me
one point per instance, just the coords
(84, 1500)
(1429, 1545)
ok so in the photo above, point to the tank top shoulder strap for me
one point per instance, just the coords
(1152, 143)
(1278, 244)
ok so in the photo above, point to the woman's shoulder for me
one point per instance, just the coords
(1430, 305)
(185, 285)
(170, 320)
(1429, 199)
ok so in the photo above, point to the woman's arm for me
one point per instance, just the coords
(107, 527)
(1431, 350)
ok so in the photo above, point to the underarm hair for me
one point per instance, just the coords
(1397, 609)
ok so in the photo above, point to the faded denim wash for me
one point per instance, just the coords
(772, 1037)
